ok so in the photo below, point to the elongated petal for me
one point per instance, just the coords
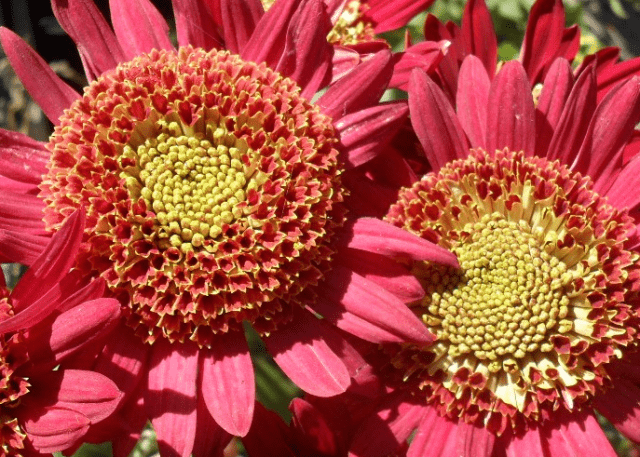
(24, 248)
(621, 406)
(268, 41)
(472, 99)
(269, 435)
(306, 57)
(381, 434)
(86, 26)
(211, 439)
(49, 268)
(436, 435)
(195, 25)
(474, 441)
(622, 193)
(611, 75)
(364, 309)
(364, 134)
(228, 384)
(577, 434)
(386, 15)
(170, 399)
(530, 444)
(22, 158)
(435, 122)
(555, 91)
(359, 89)
(478, 35)
(575, 119)
(511, 114)
(601, 153)
(376, 236)
(47, 89)
(239, 19)
(308, 421)
(425, 55)
(55, 429)
(570, 44)
(304, 355)
(543, 37)
(381, 270)
(139, 27)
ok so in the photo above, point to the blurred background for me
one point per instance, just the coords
(603, 23)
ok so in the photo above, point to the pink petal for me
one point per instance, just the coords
(269, 38)
(359, 89)
(611, 75)
(478, 35)
(364, 134)
(239, 19)
(570, 44)
(529, 444)
(380, 237)
(139, 27)
(269, 435)
(49, 268)
(210, 439)
(302, 352)
(386, 15)
(89, 393)
(435, 122)
(436, 436)
(306, 57)
(382, 434)
(49, 91)
(621, 406)
(195, 25)
(86, 26)
(26, 208)
(21, 157)
(472, 99)
(555, 91)
(542, 38)
(577, 434)
(575, 119)
(474, 441)
(511, 113)
(600, 156)
(72, 330)
(366, 310)
(425, 55)
(387, 273)
(55, 429)
(228, 384)
(171, 396)
(23, 248)
(309, 423)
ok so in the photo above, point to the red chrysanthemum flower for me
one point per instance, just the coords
(538, 328)
(44, 322)
(213, 192)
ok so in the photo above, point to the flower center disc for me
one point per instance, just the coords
(546, 294)
(211, 189)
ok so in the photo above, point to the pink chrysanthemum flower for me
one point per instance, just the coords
(44, 322)
(213, 192)
(538, 328)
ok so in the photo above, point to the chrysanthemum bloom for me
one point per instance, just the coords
(44, 322)
(212, 187)
(539, 325)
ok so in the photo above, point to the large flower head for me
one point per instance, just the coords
(44, 322)
(213, 192)
(538, 327)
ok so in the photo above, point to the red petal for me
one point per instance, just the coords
(621, 406)
(511, 113)
(600, 156)
(542, 38)
(171, 396)
(382, 434)
(210, 439)
(472, 99)
(611, 75)
(376, 236)
(360, 88)
(22, 158)
(366, 310)
(529, 444)
(309, 423)
(622, 193)
(269, 435)
(577, 434)
(474, 441)
(436, 436)
(435, 122)
(86, 26)
(51, 93)
(364, 134)
(570, 44)
(386, 15)
(23, 248)
(478, 35)
(239, 19)
(228, 384)
(575, 119)
(139, 27)
(302, 352)
(269, 38)
(194, 25)
(307, 55)
(55, 429)
(555, 91)
(425, 55)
